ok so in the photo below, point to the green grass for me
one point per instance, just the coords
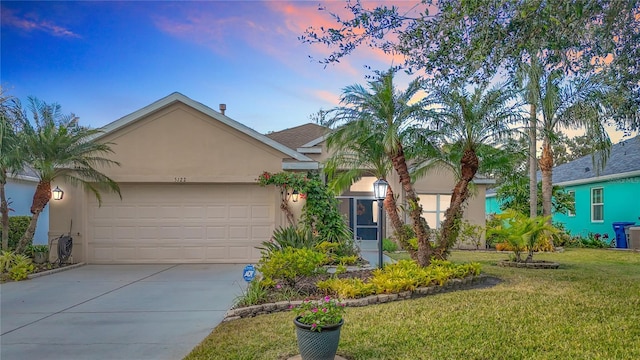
(587, 309)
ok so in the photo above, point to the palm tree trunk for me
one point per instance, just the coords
(546, 167)
(533, 163)
(40, 200)
(469, 165)
(425, 250)
(4, 210)
(391, 209)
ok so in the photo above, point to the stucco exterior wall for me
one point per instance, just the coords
(620, 205)
(179, 142)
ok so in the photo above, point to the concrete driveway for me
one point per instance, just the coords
(116, 311)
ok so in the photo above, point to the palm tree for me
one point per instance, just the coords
(10, 161)
(470, 126)
(57, 147)
(527, 78)
(580, 103)
(356, 151)
(387, 117)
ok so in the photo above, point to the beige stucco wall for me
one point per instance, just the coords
(176, 143)
(181, 142)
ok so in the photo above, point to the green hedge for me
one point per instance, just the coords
(17, 227)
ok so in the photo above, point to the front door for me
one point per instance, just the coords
(362, 217)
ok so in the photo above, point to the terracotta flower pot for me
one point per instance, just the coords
(318, 345)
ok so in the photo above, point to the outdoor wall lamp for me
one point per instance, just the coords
(295, 195)
(380, 187)
(57, 193)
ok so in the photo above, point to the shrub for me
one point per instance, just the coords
(389, 246)
(16, 266)
(289, 237)
(470, 233)
(346, 288)
(290, 263)
(401, 276)
(17, 227)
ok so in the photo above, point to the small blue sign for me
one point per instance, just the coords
(249, 273)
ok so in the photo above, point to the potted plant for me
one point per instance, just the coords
(39, 253)
(318, 324)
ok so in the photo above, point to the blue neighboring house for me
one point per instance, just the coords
(601, 198)
(19, 191)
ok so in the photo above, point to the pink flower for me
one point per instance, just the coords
(327, 298)
(324, 310)
(314, 310)
(278, 286)
(314, 325)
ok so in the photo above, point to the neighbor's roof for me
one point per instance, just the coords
(299, 136)
(623, 161)
(178, 97)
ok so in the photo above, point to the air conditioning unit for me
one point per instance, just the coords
(634, 238)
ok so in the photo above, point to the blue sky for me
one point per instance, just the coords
(104, 60)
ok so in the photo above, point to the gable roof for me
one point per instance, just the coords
(299, 136)
(178, 97)
(623, 161)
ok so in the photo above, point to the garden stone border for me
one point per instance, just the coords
(529, 265)
(455, 284)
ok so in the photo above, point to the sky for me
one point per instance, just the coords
(104, 60)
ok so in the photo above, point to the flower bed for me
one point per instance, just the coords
(454, 284)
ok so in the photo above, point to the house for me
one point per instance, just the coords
(19, 191)
(189, 191)
(601, 197)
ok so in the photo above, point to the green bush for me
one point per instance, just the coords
(389, 246)
(16, 266)
(290, 236)
(401, 276)
(290, 263)
(17, 227)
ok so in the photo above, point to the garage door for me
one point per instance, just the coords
(180, 223)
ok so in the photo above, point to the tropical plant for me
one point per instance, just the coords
(17, 226)
(582, 102)
(514, 194)
(289, 236)
(383, 115)
(11, 159)
(523, 233)
(16, 266)
(469, 125)
(320, 214)
(57, 147)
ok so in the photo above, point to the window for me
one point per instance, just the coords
(433, 208)
(597, 205)
(572, 194)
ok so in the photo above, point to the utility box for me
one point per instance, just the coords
(634, 237)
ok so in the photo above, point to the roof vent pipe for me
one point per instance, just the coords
(223, 108)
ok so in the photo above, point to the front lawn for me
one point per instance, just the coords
(587, 309)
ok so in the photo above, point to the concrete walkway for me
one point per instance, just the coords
(369, 251)
(116, 311)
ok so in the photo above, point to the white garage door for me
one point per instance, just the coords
(181, 223)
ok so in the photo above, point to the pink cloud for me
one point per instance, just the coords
(26, 24)
(327, 96)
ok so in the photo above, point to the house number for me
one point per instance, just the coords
(181, 179)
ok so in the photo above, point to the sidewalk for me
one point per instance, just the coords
(369, 252)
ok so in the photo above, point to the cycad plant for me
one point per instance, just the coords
(523, 233)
